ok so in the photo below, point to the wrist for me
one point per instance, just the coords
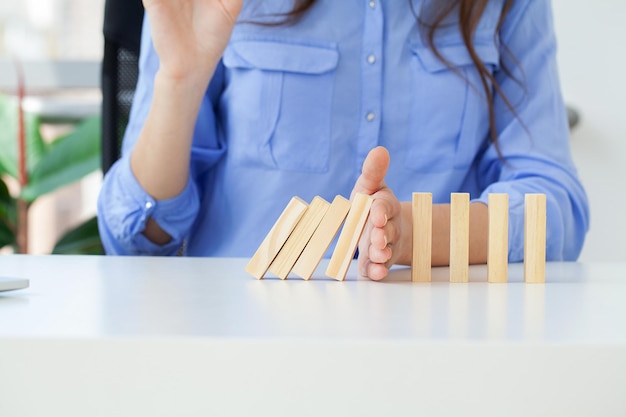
(183, 94)
(188, 86)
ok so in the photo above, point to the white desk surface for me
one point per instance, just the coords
(198, 336)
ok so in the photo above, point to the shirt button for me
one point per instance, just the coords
(370, 116)
(372, 4)
(371, 59)
(148, 205)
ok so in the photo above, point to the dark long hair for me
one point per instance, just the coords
(469, 13)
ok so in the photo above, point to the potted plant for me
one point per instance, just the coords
(41, 167)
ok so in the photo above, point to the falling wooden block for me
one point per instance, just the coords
(459, 237)
(276, 237)
(349, 238)
(322, 238)
(422, 210)
(535, 238)
(293, 247)
(498, 244)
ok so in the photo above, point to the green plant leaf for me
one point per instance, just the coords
(82, 240)
(68, 159)
(35, 145)
(8, 216)
(7, 237)
(8, 135)
(8, 204)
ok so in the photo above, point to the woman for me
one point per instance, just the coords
(239, 108)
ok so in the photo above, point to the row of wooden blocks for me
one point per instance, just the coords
(498, 237)
(303, 233)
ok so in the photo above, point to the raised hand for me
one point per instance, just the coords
(386, 237)
(190, 35)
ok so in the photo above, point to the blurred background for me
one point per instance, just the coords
(591, 60)
(591, 36)
(59, 45)
(68, 29)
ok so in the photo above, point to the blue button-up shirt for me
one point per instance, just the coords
(293, 110)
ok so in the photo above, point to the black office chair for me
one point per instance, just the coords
(122, 39)
(573, 117)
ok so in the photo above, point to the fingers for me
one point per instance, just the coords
(380, 249)
(384, 208)
(373, 271)
(376, 272)
(376, 244)
(372, 178)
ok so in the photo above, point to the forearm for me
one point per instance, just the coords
(478, 233)
(189, 39)
(160, 159)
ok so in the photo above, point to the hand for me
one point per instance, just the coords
(190, 35)
(384, 239)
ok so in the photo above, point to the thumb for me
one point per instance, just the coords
(372, 178)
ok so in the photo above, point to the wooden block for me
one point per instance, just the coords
(322, 238)
(459, 237)
(498, 246)
(535, 238)
(276, 237)
(293, 247)
(349, 238)
(422, 237)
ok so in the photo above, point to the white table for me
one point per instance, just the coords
(98, 336)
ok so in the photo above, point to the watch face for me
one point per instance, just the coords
(8, 284)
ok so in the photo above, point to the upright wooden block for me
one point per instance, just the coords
(498, 246)
(293, 247)
(422, 210)
(535, 238)
(276, 237)
(459, 237)
(349, 238)
(322, 238)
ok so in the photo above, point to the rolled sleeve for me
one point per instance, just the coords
(124, 208)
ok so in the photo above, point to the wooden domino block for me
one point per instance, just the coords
(276, 237)
(422, 210)
(349, 238)
(293, 247)
(322, 238)
(535, 238)
(459, 237)
(498, 246)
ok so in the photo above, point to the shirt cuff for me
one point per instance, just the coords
(135, 206)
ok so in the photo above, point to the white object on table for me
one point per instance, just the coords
(10, 284)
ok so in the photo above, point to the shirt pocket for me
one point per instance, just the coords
(449, 119)
(278, 103)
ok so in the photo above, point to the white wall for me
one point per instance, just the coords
(36, 29)
(592, 60)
